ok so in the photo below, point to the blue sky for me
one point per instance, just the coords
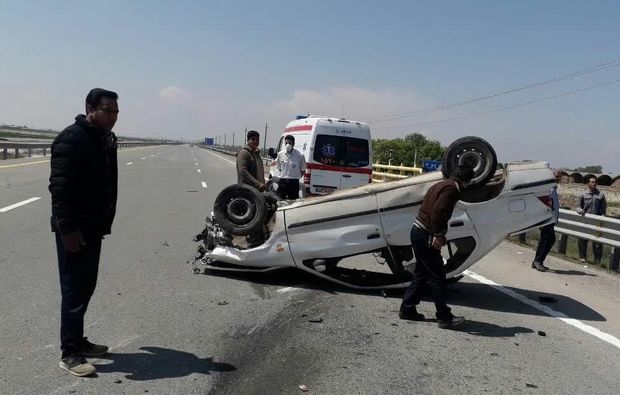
(194, 69)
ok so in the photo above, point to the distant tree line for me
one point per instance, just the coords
(596, 169)
(414, 147)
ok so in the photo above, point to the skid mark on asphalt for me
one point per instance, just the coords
(547, 310)
(19, 204)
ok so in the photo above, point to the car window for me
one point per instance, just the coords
(280, 144)
(341, 151)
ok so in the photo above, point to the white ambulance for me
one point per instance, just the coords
(338, 153)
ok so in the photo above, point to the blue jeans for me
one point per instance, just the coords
(78, 278)
(428, 270)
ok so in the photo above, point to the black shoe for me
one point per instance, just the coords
(93, 350)
(539, 266)
(77, 365)
(451, 323)
(410, 315)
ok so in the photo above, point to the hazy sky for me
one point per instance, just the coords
(195, 69)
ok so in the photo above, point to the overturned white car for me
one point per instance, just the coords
(252, 231)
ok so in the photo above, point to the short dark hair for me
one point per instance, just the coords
(252, 133)
(94, 96)
(463, 173)
(290, 138)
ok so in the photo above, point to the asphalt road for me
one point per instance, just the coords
(174, 332)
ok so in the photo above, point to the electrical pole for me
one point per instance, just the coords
(233, 133)
(225, 134)
(265, 138)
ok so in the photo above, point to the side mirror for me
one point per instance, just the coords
(272, 153)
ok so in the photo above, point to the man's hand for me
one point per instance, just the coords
(73, 241)
(261, 187)
(438, 242)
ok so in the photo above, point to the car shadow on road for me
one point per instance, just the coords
(468, 294)
(159, 363)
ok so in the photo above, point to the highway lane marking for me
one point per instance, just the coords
(129, 163)
(198, 170)
(204, 184)
(287, 289)
(547, 310)
(142, 158)
(217, 156)
(22, 203)
(24, 164)
(45, 161)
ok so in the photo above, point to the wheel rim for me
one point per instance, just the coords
(476, 159)
(240, 210)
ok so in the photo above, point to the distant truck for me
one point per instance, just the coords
(209, 141)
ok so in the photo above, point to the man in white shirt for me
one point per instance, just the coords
(292, 166)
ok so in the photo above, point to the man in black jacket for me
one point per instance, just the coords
(428, 235)
(83, 184)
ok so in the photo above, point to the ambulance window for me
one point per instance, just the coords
(341, 151)
(355, 152)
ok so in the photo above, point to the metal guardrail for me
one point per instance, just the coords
(390, 172)
(596, 228)
(5, 146)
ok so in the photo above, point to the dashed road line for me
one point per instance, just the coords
(129, 163)
(204, 184)
(198, 170)
(22, 203)
(143, 158)
(547, 310)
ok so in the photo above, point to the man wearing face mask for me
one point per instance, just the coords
(292, 165)
(83, 185)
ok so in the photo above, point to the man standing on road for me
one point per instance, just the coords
(83, 184)
(292, 165)
(591, 201)
(428, 235)
(250, 168)
(547, 232)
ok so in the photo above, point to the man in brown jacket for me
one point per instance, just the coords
(428, 235)
(250, 168)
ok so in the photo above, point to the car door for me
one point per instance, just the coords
(334, 228)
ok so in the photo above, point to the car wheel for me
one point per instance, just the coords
(471, 151)
(240, 209)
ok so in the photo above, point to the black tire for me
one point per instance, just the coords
(240, 209)
(472, 151)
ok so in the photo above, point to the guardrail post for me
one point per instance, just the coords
(615, 258)
(16, 153)
(562, 244)
(5, 153)
(30, 152)
(522, 238)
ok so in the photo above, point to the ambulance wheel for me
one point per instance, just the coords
(240, 209)
(474, 152)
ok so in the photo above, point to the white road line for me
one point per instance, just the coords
(204, 184)
(12, 206)
(546, 309)
(287, 289)
(198, 170)
(143, 158)
(227, 160)
(129, 163)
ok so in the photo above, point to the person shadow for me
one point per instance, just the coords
(570, 272)
(159, 363)
(486, 329)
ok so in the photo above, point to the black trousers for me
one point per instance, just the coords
(428, 270)
(546, 241)
(288, 188)
(597, 249)
(78, 278)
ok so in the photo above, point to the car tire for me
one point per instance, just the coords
(472, 151)
(240, 209)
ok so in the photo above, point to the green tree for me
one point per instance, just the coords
(415, 147)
